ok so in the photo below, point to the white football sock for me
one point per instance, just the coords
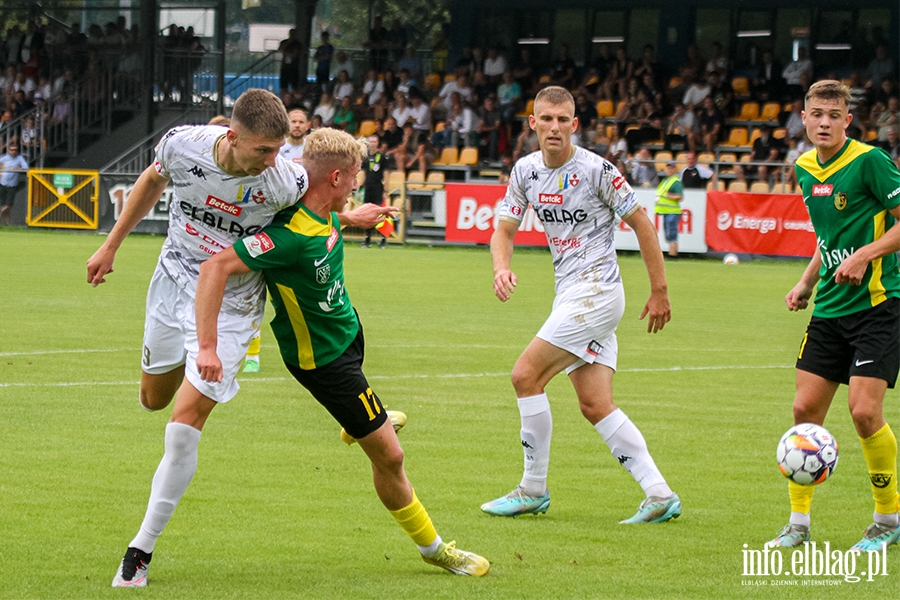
(799, 518)
(172, 477)
(432, 549)
(890, 519)
(629, 448)
(537, 429)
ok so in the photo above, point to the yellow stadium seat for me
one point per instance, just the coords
(529, 109)
(449, 156)
(605, 109)
(780, 133)
(468, 157)
(749, 111)
(675, 82)
(681, 160)
(432, 82)
(782, 188)
(741, 86)
(770, 111)
(395, 181)
(737, 186)
(366, 128)
(415, 180)
(706, 158)
(729, 158)
(661, 158)
(718, 186)
(737, 137)
(757, 132)
(759, 187)
(440, 126)
(435, 180)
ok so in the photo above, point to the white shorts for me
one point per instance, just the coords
(584, 321)
(170, 338)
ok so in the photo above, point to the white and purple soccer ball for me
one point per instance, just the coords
(807, 454)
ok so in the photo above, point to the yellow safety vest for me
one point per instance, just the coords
(664, 204)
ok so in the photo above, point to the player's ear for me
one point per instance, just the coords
(335, 177)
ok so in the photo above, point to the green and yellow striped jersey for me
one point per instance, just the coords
(848, 199)
(301, 256)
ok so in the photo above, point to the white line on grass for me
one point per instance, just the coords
(410, 376)
(79, 351)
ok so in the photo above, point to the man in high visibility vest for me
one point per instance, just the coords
(669, 193)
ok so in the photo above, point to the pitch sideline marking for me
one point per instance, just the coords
(410, 376)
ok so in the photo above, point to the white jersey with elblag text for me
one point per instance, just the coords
(210, 209)
(577, 204)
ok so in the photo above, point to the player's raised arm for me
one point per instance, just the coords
(657, 307)
(367, 216)
(147, 191)
(502, 245)
(214, 273)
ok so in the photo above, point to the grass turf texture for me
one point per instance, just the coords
(281, 508)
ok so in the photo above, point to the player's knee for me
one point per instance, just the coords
(391, 460)
(153, 402)
(523, 381)
(865, 416)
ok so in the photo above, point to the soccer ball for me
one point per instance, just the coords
(807, 454)
(731, 259)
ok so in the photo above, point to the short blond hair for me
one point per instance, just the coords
(829, 89)
(261, 112)
(332, 148)
(555, 95)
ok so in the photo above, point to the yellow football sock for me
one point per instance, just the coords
(801, 497)
(880, 452)
(253, 350)
(416, 523)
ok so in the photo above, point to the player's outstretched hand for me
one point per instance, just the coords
(209, 366)
(505, 283)
(368, 216)
(798, 298)
(659, 311)
(99, 265)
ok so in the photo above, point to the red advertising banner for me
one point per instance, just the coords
(775, 224)
(472, 215)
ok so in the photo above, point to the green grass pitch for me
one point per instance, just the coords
(280, 508)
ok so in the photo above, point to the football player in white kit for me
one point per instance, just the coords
(577, 195)
(229, 183)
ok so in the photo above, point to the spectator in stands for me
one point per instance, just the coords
(23, 104)
(29, 137)
(524, 72)
(766, 149)
(669, 194)
(412, 64)
(768, 84)
(650, 127)
(884, 91)
(480, 88)
(463, 125)
(648, 66)
(887, 120)
(323, 56)
(881, 67)
(509, 94)
(488, 128)
(460, 86)
(325, 109)
(681, 133)
(721, 91)
(798, 92)
(402, 110)
(718, 62)
(712, 125)
(373, 88)
(414, 150)
(794, 123)
(404, 82)
(342, 86)
(695, 175)
(695, 61)
(696, 93)
(643, 169)
(562, 71)
(891, 145)
(526, 143)
(344, 117)
(795, 68)
(621, 73)
(342, 63)
(315, 123)
(390, 83)
(494, 66)
(391, 138)
(618, 149)
(291, 54)
(585, 112)
(600, 143)
(396, 41)
(378, 45)
(420, 112)
(654, 92)
(505, 168)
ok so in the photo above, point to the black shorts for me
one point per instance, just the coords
(342, 388)
(865, 344)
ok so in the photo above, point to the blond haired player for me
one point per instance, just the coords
(319, 333)
(577, 196)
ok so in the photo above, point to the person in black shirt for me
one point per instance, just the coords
(695, 176)
(373, 188)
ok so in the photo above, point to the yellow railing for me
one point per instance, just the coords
(66, 199)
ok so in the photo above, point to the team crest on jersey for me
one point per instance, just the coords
(191, 229)
(231, 209)
(258, 244)
(840, 200)
(332, 239)
(550, 198)
(515, 210)
(822, 189)
(594, 348)
(322, 274)
(258, 197)
(566, 181)
(243, 197)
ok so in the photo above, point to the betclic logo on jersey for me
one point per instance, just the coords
(822, 189)
(231, 209)
(550, 198)
(332, 239)
(258, 244)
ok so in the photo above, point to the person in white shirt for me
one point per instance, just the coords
(342, 87)
(460, 85)
(325, 109)
(373, 88)
(292, 149)
(420, 111)
(578, 197)
(402, 111)
(494, 66)
(792, 71)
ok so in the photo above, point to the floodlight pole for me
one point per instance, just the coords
(305, 11)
